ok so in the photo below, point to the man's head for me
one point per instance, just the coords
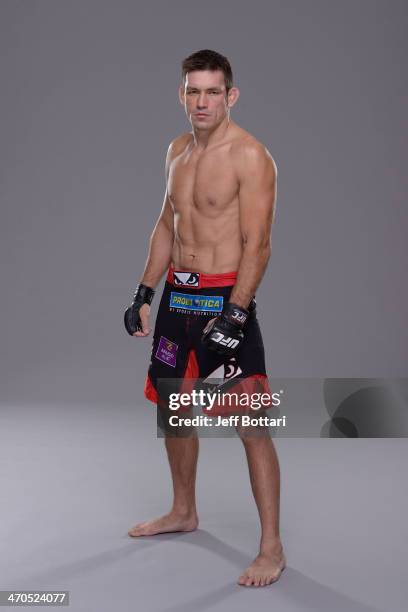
(207, 91)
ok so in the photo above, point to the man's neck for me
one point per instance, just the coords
(205, 138)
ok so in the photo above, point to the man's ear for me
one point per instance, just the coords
(233, 96)
(181, 94)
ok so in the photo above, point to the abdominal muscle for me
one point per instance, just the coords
(207, 244)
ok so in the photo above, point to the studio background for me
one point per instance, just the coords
(88, 107)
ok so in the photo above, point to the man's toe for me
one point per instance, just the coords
(136, 530)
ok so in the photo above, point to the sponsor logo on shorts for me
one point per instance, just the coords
(186, 279)
(207, 303)
(167, 351)
(227, 370)
(221, 376)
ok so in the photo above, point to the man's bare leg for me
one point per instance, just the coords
(183, 454)
(264, 474)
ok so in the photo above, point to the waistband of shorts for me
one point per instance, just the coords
(197, 280)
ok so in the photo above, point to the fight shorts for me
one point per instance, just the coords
(188, 302)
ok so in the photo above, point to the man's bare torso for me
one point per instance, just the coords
(203, 190)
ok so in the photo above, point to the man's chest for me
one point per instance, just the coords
(209, 182)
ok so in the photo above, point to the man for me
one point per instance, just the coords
(213, 239)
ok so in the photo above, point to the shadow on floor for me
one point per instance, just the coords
(298, 589)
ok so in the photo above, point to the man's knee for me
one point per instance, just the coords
(252, 432)
(173, 427)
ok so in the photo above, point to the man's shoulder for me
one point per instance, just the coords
(179, 143)
(176, 147)
(246, 149)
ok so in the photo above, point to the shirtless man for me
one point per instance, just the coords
(213, 238)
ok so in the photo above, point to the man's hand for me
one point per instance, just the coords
(224, 333)
(136, 316)
(144, 314)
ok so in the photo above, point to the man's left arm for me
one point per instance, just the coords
(257, 194)
(257, 176)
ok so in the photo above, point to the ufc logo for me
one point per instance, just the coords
(221, 339)
(239, 316)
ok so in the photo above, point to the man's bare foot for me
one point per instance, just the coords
(265, 569)
(168, 523)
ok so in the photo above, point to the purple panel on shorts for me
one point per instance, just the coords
(167, 351)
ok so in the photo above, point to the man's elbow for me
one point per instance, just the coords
(266, 252)
(163, 230)
(260, 248)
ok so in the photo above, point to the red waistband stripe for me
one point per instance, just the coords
(189, 279)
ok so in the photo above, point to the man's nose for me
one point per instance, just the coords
(202, 101)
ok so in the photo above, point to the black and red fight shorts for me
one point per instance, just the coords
(189, 301)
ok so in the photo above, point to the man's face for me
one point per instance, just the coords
(204, 97)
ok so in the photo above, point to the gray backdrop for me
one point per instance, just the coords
(88, 107)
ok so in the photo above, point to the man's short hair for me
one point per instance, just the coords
(208, 60)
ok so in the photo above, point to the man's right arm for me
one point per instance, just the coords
(160, 246)
(162, 238)
(136, 316)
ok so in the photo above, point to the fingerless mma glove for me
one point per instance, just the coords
(142, 295)
(224, 334)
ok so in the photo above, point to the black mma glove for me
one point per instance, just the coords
(142, 295)
(224, 334)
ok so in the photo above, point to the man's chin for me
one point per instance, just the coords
(201, 125)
